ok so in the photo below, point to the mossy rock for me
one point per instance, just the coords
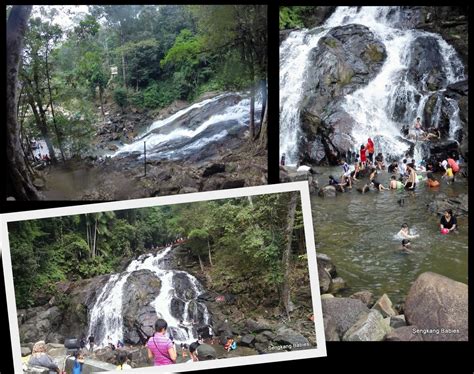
(373, 53)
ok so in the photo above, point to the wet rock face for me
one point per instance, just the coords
(140, 289)
(347, 58)
(425, 69)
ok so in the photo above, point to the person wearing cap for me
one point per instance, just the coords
(205, 352)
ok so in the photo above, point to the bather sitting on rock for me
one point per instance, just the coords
(377, 185)
(335, 183)
(39, 357)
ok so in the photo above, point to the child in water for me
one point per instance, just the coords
(431, 180)
(405, 232)
(406, 246)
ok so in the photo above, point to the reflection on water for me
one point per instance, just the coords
(358, 232)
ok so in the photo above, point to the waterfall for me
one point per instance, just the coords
(294, 53)
(375, 107)
(106, 319)
(174, 138)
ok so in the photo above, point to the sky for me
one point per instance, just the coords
(65, 15)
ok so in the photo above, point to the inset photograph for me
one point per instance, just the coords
(227, 277)
(374, 114)
(111, 102)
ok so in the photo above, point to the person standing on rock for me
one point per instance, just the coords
(91, 343)
(363, 156)
(39, 357)
(371, 149)
(160, 348)
(418, 129)
(282, 161)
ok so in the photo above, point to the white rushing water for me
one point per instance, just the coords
(183, 139)
(372, 106)
(106, 319)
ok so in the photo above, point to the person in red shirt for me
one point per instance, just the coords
(454, 166)
(371, 149)
(363, 156)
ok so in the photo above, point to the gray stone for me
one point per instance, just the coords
(365, 296)
(330, 329)
(369, 327)
(404, 334)
(288, 336)
(327, 296)
(247, 340)
(253, 326)
(384, 306)
(343, 311)
(337, 285)
(324, 279)
(439, 305)
(397, 321)
(327, 263)
(25, 351)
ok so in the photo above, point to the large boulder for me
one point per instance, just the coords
(344, 312)
(288, 336)
(426, 66)
(439, 306)
(40, 325)
(369, 327)
(459, 205)
(346, 58)
(140, 289)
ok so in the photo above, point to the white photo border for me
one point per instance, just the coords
(302, 187)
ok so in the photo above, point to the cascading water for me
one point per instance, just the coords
(105, 319)
(174, 138)
(375, 107)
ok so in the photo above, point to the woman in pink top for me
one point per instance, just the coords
(160, 348)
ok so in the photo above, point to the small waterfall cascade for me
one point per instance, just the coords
(388, 102)
(177, 288)
(174, 138)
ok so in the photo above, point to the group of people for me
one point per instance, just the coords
(417, 132)
(407, 178)
(447, 224)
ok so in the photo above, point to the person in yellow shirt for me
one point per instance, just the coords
(449, 175)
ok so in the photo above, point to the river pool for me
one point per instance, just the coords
(358, 231)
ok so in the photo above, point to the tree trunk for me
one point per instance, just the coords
(101, 92)
(43, 128)
(263, 88)
(252, 113)
(56, 130)
(95, 239)
(263, 135)
(209, 248)
(123, 58)
(290, 221)
(20, 179)
(200, 263)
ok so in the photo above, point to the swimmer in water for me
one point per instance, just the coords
(405, 232)
(406, 246)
